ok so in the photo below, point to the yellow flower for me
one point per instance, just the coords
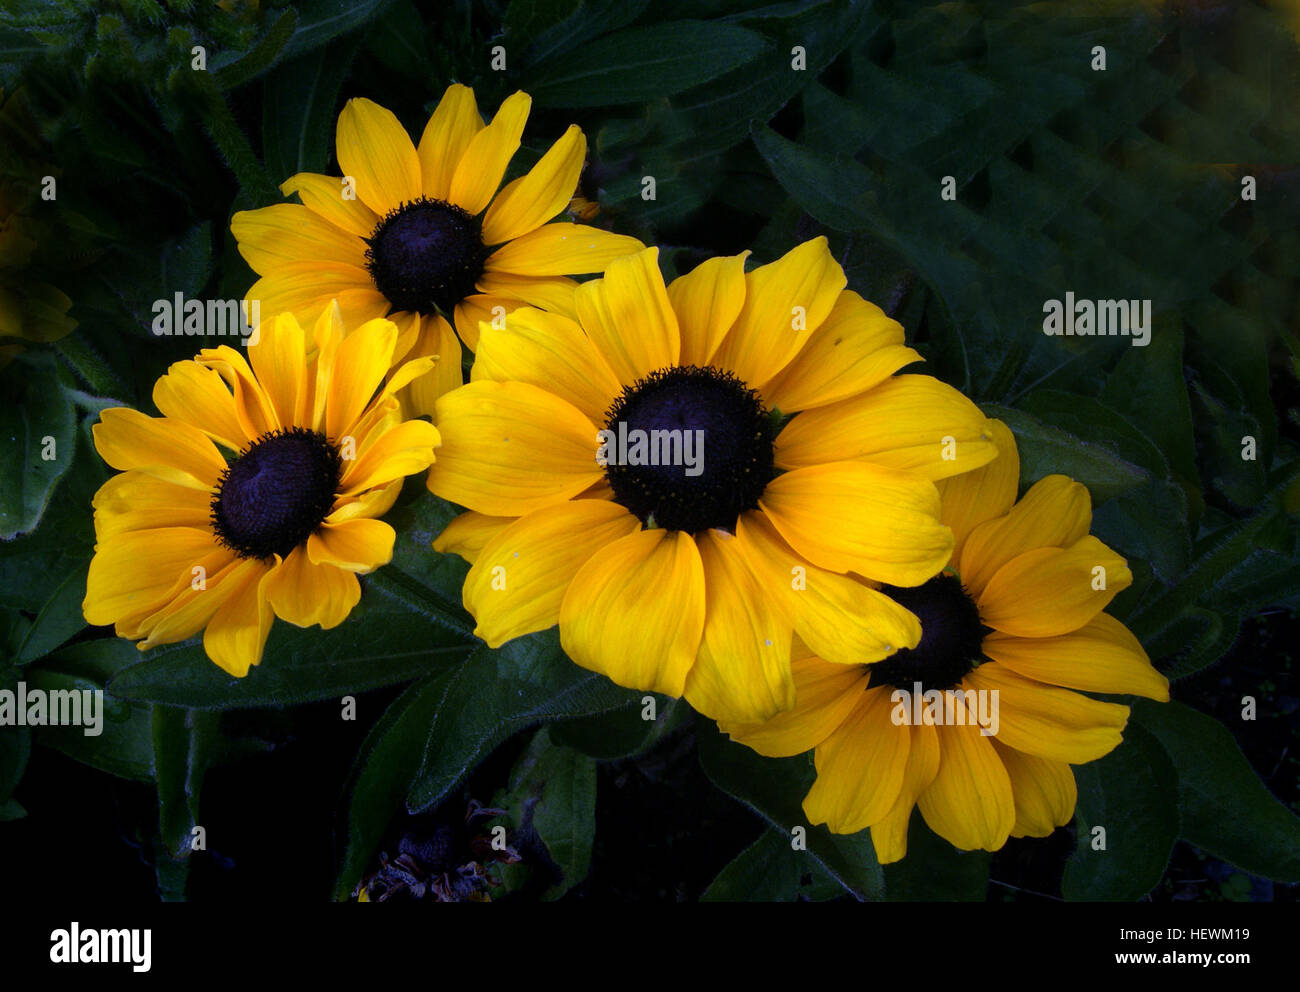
(688, 577)
(187, 541)
(421, 233)
(1016, 627)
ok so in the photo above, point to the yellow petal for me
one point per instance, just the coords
(628, 316)
(324, 195)
(1054, 513)
(236, 635)
(451, 127)
(635, 611)
(1047, 721)
(363, 358)
(913, 423)
(474, 311)
(840, 618)
(743, 670)
(785, 301)
(304, 288)
(469, 534)
(479, 171)
(856, 517)
(825, 694)
(146, 616)
(289, 232)
(853, 350)
(969, 803)
(166, 449)
(1052, 591)
(561, 249)
(404, 450)
(196, 395)
(889, 834)
(358, 545)
(1102, 656)
(253, 407)
(135, 501)
(131, 571)
(550, 293)
(551, 352)
(1044, 791)
(707, 301)
(279, 361)
(509, 448)
(520, 577)
(306, 594)
(435, 338)
(860, 767)
(989, 491)
(327, 334)
(374, 503)
(531, 200)
(188, 610)
(375, 150)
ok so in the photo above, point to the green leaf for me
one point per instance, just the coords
(387, 762)
(58, 620)
(36, 565)
(1193, 641)
(299, 100)
(770, 870)
(1225, 425)
(553, 788)
(427, 580)
(935, 871)
(184, 744)
(715, 116)
(398, 40)
(15, 746)
(187, 263)
(496, 693)
(1045, 450)
(381, 643)
(833, 189)
(1198, 618)
(321, 21)
(124, 744)
(774, 788)
(38, 433)
(644, 63)
(539, 30)
(1132, 793)
(1147, 387)
(624, 732)
(1226, 810)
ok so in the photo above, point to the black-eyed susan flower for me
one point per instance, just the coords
(977, 724)
(421, 233)
(632, 476)
(187, 540)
